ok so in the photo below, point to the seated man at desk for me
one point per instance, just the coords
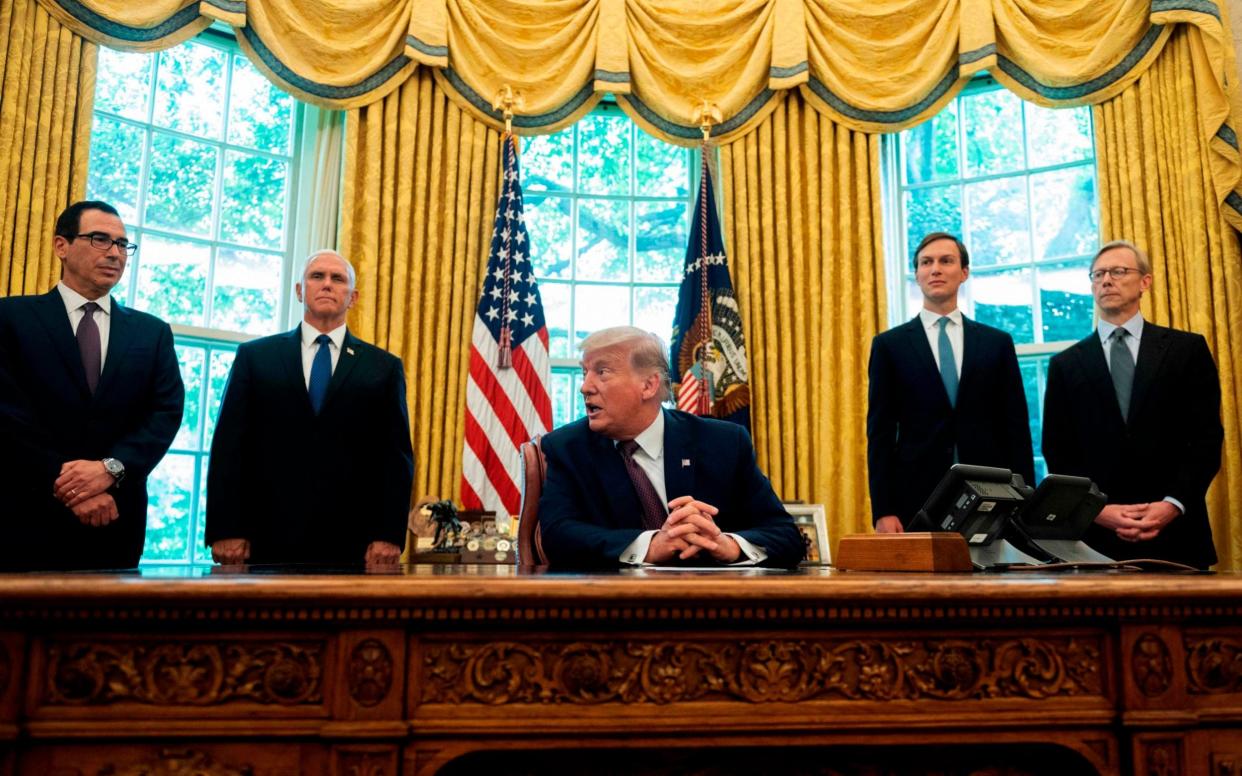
(635, 483)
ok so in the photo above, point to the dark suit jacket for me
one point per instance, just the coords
(589, 512)
(912, 429)
(48, 416)
(305, 488)
(1169, 446)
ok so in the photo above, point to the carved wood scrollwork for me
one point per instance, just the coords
(1163, 758)
(370, 672)
(363, 764)
(764, 671)
(1213, 666)
(184, 674)
(1151, 665)
(174, 762)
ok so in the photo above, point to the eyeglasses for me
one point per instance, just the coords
(103, 242)
(1116, 273)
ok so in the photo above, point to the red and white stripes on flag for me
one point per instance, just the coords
(507, 399)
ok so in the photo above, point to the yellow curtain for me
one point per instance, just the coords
(45, 122)
(420, 191)
(1156, 189)
(802, 222)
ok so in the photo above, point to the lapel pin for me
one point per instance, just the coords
(350, 351)
(685, 462)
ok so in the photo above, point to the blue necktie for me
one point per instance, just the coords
(948, 365)
(321, 373)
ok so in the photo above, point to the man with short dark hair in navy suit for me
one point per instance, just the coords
(90, 399)
(943, 389)
(634, 483)
(311, 460)
(1136, 407)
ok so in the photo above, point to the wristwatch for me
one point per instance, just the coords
(115, 468)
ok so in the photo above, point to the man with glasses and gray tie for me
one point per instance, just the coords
(635, 483)
(90, 400)
(1136, 407)
(311, 459)
(942, 389)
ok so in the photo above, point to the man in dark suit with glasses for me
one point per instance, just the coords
(90, 400)
(1136, 407)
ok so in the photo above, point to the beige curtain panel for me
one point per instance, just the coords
(868, 65)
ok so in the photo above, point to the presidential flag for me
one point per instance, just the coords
(708, 349)
(507, 399)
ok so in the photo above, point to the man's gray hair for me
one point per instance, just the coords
(353, 276)
(646, 352)
(1140, 258)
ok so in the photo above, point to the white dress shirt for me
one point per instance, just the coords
(650, 458)
(310, 347)
(103, 316)
(931, 326)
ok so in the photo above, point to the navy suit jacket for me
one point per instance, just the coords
(589, 512)
(306, 488)
(1169, 445)
(48, 416)
(912, 429)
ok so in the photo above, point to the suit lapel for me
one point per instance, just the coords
(1096, 369)
(1152, 347)
(972, 345)
(120, 335)
(291, 357)
(616, 489)
(922, 358)
(51, 313)
(345, 364)
(678, 458)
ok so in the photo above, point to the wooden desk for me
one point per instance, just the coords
(369, 675)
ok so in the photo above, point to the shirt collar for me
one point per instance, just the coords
(1134, 326)
(651, 439)
(930, 318)
(74, 301)
(310, 334)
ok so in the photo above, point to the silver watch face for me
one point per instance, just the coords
(113, 466)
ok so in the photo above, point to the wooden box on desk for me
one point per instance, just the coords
(924, 551)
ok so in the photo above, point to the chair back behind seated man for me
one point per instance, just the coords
(530, 537)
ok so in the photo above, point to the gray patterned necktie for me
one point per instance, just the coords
(89, 345)
(1121, 365)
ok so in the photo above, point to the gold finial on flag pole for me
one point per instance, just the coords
(706, 116)
(506, 100)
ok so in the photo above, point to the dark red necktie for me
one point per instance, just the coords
(654, 511)
(88, 345)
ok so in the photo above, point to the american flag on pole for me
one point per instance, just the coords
(708, 347)
(507, 400)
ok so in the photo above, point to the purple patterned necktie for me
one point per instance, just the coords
(88, 345)
(654, 512)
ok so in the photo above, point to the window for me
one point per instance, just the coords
(196, 149)
(608, 210)
(1017, 182)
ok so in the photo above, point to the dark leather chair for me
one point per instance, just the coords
(534, 472)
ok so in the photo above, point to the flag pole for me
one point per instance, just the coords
(505, 101)
(707, 114)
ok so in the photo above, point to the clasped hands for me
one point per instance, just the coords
(82, 487)
(234, 551)
(1137, 522)
(689, 530)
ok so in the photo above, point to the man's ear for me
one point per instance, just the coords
(651, 385)
(297, 289)
(60, 244)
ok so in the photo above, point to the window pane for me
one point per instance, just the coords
(172, 279)
(170, 492)
(1065, 301)
(1066, 218)
(116, 165)
(1056, 136)
(548, 162)
(260, 115)
(993, 132)
(930, 149)
(999, 226)
(221, 363)
(201, 553)
(246, 287)
(190, 359)
(1034, 404)
(936, 209)
(123, 84)
(189, 94)
(548, 224)
(183, 176)
(1003, 300)
(662, 233)
(555, 298)
(603, 239)
(598, 307)
(253, 212)
(604, 154)
(654, 309)
(663, 168)
(567, 402)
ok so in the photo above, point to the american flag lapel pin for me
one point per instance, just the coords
(350, 351)
(685, 462)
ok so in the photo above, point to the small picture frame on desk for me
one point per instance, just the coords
(812, 521)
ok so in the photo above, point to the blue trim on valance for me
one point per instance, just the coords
(885, 116)
(118, 31)
(612, 77)
(1078, 91)
(426, 48)
(526, 122)
(786, 72)
(324, 91)
(689, 133)
(1227, 134)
